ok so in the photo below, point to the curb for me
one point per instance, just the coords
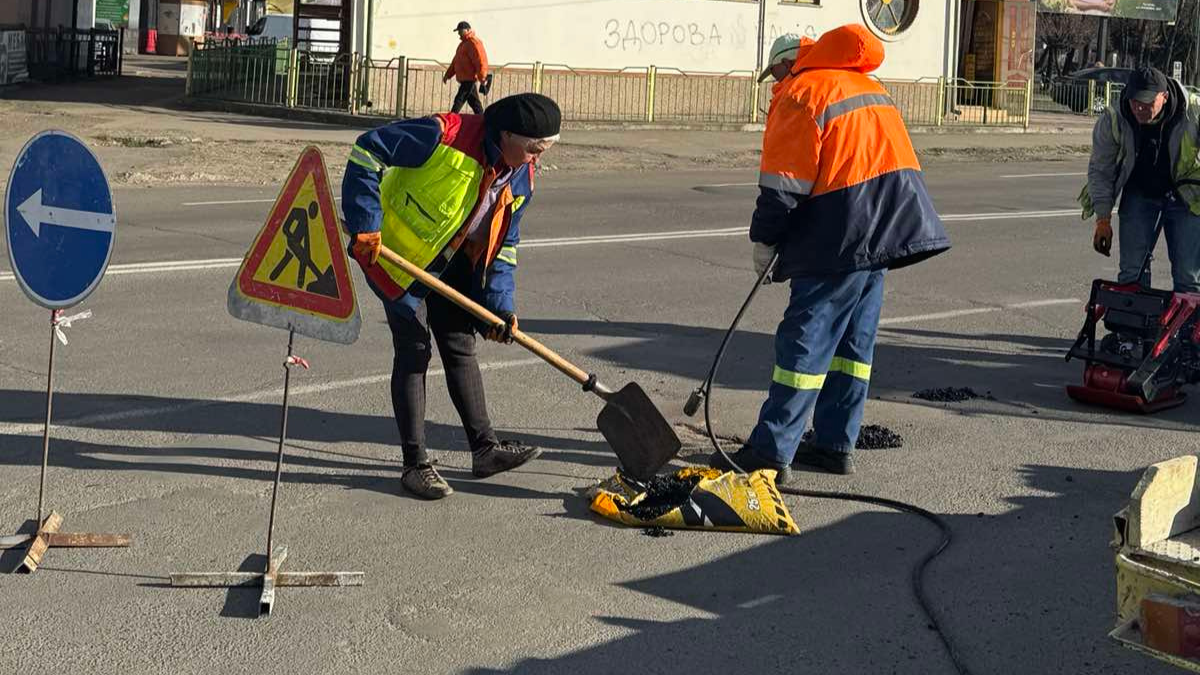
(371, 121)
(295, 114)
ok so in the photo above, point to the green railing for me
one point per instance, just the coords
(1088, 99)
(274, 74)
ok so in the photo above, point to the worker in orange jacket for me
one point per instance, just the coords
(469, 68)
(841, 200)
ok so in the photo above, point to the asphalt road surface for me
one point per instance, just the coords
(167, 410)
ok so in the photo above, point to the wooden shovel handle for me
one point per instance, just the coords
(542, 351)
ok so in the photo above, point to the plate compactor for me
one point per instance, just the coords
(1152, 349)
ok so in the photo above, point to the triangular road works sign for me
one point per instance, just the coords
(296, 275)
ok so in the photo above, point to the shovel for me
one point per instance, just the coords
(639, 434)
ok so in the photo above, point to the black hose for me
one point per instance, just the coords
(704, 392)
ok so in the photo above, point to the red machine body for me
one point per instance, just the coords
(1151, 352)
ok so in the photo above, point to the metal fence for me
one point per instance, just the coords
(1088, 98)
(63, 53)
(272, 73)
(249, 71)
(1078, 97)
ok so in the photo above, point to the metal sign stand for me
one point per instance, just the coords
(272, 577)
(47, 535)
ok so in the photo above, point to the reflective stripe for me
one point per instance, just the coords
(784, 183)
(365, 159)
(508, 254)
(361, 163)
(797, 380)
(855, 369)
(850, 104)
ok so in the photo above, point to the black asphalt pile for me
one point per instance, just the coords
(871, 437)
(657, 531)
(663, 494)
(876, 437)
(947, 394)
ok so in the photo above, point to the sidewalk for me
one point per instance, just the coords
(146, 134)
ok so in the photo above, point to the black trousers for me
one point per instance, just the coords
(468, 92)
(454, 331)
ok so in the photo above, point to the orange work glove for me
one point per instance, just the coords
(1102, 239)
(367, 245)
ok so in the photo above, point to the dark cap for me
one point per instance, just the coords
(462, 25)
(1146, 84)
(529, 115)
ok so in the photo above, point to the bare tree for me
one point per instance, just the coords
(1063, 35)
(1178, 41)
(1157, 43)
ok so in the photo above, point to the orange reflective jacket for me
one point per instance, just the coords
(841, 188)
(470, 62)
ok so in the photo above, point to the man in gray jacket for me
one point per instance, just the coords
(1144, 151)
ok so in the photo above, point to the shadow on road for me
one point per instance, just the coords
(1026, 378)
(1029, 591)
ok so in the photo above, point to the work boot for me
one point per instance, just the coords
(750, 462)
(830, 460)
(501, 457)
(423, 481)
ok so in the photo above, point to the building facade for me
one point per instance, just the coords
(921, 36)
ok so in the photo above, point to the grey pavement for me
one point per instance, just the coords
(168, 408)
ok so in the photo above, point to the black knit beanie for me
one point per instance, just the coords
(529, 115)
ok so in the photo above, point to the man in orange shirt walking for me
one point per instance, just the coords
(469, 68)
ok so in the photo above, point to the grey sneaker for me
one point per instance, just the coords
(423, 481)
(501, 457)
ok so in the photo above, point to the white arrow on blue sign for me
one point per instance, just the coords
(60, 220)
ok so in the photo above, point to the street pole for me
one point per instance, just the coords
(370, 10)
(283, 419)
(762, 34)
(49, 403)
(1102, 42)
(1196, 44)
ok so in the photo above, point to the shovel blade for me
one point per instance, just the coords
(638, 433)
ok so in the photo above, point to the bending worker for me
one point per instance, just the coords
(447, 193)
(1144, 151)
(842, 199)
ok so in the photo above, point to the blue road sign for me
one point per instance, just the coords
(60, 220)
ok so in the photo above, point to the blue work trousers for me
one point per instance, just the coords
(1137, 219)
(823, 353)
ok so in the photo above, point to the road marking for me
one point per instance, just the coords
(238, 201)
(272, 393)
(624, 238)
(225, 263)
(1045, 175)
(171, 266)
(759, 602)
(977, 310)
(1010, 176)
(719, 185)
(1008, 215)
